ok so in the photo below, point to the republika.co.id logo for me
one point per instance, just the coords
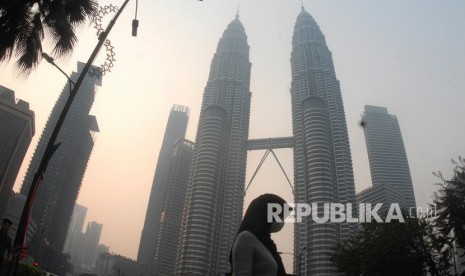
(338, 213)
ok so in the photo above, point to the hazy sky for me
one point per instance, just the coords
(405, 55)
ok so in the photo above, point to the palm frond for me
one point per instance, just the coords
(63, 36)
(78, 11)
(29, 45)
(23, 24)
(14, 23)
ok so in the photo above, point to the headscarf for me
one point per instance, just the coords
(255, 221)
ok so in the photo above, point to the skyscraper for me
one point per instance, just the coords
(215, 195)
(381, 193)
(74, 237)
(173, 206)
(13, 211)
(84, 248)
(16, 131)
(59, 189)
(91, 239)
(175, 129)
(322, 159)
(386, 154)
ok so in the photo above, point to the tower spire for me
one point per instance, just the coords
(302, 4)
(237, 12)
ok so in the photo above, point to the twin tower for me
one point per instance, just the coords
(197, 236)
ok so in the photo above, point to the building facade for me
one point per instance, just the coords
(75, 242)
(175, 129)
(172, 210)
(386, 154)
(16, 131)
(215, 194)
(381, 193)
(54, 203)
(322, 158)
(110, 264)
(91, 240)
(13, 211)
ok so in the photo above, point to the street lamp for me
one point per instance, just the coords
(50, 60)
(135, 22)
(51, 147)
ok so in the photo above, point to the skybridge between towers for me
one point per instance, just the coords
(269, 144)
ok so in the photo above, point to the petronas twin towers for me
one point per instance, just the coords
(322, 159)
(215, 195)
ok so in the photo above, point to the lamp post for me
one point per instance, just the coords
(51, 147)
(50, 60)
(135, 22)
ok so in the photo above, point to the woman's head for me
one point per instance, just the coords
(257, 219)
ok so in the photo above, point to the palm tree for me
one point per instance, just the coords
(450, 204)
(24, 24)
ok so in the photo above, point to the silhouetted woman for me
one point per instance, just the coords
(253, 252)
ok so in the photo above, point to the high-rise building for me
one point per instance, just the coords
(215, 194)
(13, 211)
(16, 131)
(322, 160)
(111, 264)
(91, 240)
(83, 248)
(386, 154)
(101, 249)
(381, 193)
(75, 236)
(173, 206)
(54, 203)
(175, 129)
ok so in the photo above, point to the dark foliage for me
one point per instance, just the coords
(390, 249)
(450, 204)
(416, 247)
(24, 24)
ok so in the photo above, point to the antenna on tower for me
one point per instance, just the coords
(302, 4)
(237, 12)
